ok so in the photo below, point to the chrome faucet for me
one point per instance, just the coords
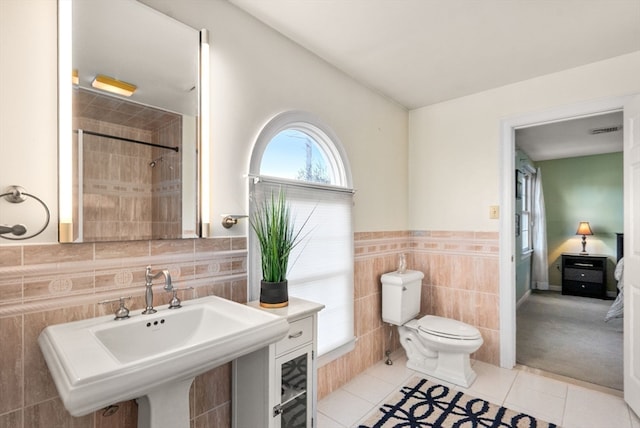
(148, 296)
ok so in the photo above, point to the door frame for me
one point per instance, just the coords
(507, 222)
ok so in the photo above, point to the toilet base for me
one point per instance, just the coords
(446, 369)
(453, 367)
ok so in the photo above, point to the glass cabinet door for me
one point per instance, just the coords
(292, 372)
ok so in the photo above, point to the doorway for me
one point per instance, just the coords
(507, 222)
(577, 165)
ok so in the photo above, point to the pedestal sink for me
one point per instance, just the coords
(154, 358)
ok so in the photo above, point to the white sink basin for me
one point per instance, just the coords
(99, 361)
(168, 331)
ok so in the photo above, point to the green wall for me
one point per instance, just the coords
(588, 188)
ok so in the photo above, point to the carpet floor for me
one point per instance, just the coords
(424, 404)
(567, 335)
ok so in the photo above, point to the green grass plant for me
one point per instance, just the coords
(275, 228)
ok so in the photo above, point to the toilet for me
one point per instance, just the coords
(436, 346)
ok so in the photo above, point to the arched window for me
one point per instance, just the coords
(297, 153)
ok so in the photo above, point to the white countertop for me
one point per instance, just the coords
(297, 308)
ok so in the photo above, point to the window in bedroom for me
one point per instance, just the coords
(525, 225)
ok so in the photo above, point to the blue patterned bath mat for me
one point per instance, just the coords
(424, 404)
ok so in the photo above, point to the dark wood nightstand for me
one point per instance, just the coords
(584, 275)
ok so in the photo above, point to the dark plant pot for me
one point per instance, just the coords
(274, 294)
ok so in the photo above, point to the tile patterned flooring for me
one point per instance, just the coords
(563, 401)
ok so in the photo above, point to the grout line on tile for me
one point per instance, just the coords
(330, 418)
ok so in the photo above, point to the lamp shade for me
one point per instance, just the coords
(584, 228)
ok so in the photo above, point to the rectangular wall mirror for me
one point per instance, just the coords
(129, 143)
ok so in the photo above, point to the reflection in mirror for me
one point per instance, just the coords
(128, 163)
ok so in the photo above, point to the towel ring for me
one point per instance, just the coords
(17, 195)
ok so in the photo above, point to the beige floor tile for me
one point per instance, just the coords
(344, 407)
(492, 384)
(553, 400)
(326, 422)
(370, 388)
(523, 398)
(396, 374)
(593, 409)
(541, 384)
(635, 420)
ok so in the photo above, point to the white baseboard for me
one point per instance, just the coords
(523, 298)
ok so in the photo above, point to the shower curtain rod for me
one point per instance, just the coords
(98, 134)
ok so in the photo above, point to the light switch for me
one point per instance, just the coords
(494, 212)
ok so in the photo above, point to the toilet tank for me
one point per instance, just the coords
(401, 296)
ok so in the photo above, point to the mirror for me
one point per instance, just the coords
(129, 164)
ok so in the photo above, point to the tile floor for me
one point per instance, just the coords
(565, 402)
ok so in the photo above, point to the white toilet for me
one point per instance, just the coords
(436, 346)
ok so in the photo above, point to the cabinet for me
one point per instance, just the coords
(275, 387)
(584, 275)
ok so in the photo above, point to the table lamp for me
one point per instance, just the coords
(584, 229)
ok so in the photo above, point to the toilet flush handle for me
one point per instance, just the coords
(404, 288)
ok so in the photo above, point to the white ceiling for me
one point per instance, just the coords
(571, 138)
(137, 44)
(421, 52)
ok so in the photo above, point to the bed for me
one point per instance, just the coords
(617, 307)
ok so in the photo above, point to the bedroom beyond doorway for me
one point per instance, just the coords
(567, 335)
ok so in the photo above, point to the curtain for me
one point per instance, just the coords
(540, 265)
(321, 267)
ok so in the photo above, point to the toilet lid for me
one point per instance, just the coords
(447, 328)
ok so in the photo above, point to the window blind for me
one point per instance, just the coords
(321, 266)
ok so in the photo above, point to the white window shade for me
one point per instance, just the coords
(321, 266)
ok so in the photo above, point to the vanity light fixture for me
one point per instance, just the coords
(584, 229)
(115, 86)
(205, 112)
(65, 149)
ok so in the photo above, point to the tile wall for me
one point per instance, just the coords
(49, 284)
(461, 282)
(117, 184)
(124, 197)
(166, 200)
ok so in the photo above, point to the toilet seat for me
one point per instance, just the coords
(447, 328)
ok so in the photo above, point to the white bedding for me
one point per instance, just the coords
(616, 309)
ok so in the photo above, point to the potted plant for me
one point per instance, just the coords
(274, 226)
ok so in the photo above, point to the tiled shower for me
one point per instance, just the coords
(130, 191)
